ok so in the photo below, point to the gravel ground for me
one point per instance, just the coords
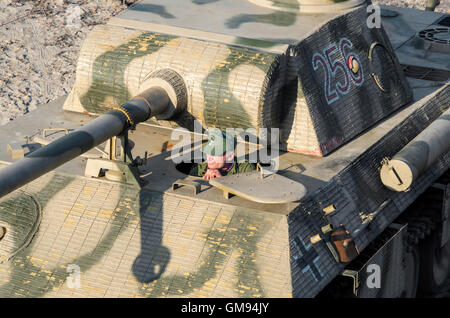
(416, 4)
(40, 40)
(39, 44)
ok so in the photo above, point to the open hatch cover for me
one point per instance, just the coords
(258, 187)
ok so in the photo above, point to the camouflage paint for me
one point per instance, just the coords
(235, 239)
(38, 281)
(222, 108)
(156, 9)
(200, 2)
(279, 18)
(258, 43)
(294, 4)
(109, 69)
(222, 244)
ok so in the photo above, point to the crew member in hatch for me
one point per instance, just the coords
(220, 157)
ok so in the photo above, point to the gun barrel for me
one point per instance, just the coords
(150, 103)
(417, 156)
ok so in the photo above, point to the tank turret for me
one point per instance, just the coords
(288, 75)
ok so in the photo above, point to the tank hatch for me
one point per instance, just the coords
(258, 187)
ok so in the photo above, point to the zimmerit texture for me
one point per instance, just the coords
(128, 242)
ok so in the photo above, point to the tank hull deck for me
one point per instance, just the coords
(127, 241)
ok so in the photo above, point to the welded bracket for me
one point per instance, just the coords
(112, 170)
(118, 148)
(193, 185)
(117, 163)
(354, 275)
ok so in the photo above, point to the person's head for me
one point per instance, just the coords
(218, 162)
(220, 149)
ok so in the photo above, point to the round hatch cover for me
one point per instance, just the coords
(20, 215)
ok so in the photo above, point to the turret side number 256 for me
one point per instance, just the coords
(339, 75)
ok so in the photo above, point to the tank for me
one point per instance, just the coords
(351, 101)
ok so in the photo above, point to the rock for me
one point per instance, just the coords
(32, 106)
(4, 3)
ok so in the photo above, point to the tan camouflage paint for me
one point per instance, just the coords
(308, 6)
(204, 249)
(224, 83)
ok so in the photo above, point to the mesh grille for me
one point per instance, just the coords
(425, 73)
